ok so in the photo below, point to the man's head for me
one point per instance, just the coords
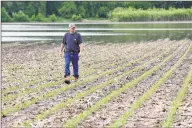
(72, 28)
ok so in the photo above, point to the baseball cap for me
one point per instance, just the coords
(72, 25)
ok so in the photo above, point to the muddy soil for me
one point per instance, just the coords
(29, 66)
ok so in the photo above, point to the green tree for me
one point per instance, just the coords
(42, 8)
(4, 15)
(81, 11)
(30, 9)
(53, 7)
(52, 17)
(87, 9)
(39, 17)
(33, 18)
(67, 10)
(9, 6)
(76, 18)
(20, 16)
(103, 11)
(138, 5)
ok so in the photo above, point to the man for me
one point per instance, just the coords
(72, 45)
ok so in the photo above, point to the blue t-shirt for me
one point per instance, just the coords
(72, 42)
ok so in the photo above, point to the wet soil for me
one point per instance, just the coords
(29, 66)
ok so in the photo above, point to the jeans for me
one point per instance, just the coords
(71, 57)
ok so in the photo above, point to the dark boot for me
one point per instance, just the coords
(67, 80)
(76, 77)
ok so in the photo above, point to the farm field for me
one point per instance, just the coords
(146, 84)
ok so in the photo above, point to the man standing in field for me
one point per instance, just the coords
(72, 45)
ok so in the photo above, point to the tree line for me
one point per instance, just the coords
(18, 11)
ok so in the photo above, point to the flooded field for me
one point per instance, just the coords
(109, 32)
(146, 84)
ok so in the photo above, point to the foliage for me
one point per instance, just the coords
(20, 16)
(67, 10)
(103, 11)
(33, 17)
(132, 14)
(4, 15)
(96, 9)
(52, 18)
(76, 18)
(39, 17)
(81, 11)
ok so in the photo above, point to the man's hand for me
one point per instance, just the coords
(79, 54)
(61, 54)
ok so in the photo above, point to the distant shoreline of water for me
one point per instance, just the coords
(100, 22)
(113, 32)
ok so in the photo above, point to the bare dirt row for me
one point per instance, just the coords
(35, 95)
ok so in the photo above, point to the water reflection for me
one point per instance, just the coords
(109, 32)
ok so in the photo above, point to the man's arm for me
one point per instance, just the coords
(62, 45)
(81, 47)
(80, 44)
(61, 49)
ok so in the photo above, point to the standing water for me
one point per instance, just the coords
(111, 32)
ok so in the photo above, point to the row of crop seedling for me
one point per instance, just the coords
(178, 101)
(35, 80)
(82, 94)
(31, 73)
(60, 90)
(13, 96)
(100, 86)
(15, 67)
(138, 103)
(80, 117)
